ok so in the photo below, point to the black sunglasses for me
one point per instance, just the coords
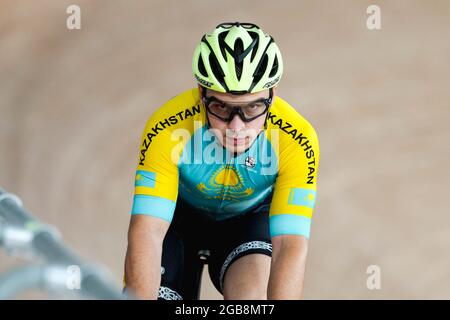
(226, 113)
(229, 25)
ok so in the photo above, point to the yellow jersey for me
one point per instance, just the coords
(179, 157)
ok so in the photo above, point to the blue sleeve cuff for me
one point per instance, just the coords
(153, 206)
(281, 224)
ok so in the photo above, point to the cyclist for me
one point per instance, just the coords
(227, 172)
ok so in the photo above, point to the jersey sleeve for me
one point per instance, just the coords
(295, 187)
(156, 180)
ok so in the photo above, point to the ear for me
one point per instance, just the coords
(274, 90)
(200, 88)
(274, 93)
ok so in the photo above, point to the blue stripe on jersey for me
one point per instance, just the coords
(153, 206)
(281, 224)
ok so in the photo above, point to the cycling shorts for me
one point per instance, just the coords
(193, 239)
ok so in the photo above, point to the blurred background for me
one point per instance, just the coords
(73, 104)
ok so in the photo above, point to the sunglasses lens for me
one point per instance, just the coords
(228, 25)
(253, 110)
(249, 25)
(219, 109)
(247, 112)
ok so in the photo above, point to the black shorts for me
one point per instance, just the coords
(193, 240)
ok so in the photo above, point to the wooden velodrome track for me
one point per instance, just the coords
(73, 105)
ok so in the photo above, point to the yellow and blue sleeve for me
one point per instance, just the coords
(295, 188)
(156, 180)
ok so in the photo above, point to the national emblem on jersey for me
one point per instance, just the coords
(226, 183)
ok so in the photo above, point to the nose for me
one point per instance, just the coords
(236, 124)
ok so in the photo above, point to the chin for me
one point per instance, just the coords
(237, 150)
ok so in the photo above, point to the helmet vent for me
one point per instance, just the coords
(217, 71)
(255, 38)
(274, 70)
(222, 43)
(259, 72)
(238, 49)
(238, 59)
(201, 67)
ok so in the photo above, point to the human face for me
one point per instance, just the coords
(236, 135)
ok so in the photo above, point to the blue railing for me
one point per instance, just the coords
(54, 268)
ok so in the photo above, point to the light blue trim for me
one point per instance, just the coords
(147, 179)
(302, 197)
(153, 206)
(281, 224)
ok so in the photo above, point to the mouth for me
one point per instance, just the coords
(236, 141)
